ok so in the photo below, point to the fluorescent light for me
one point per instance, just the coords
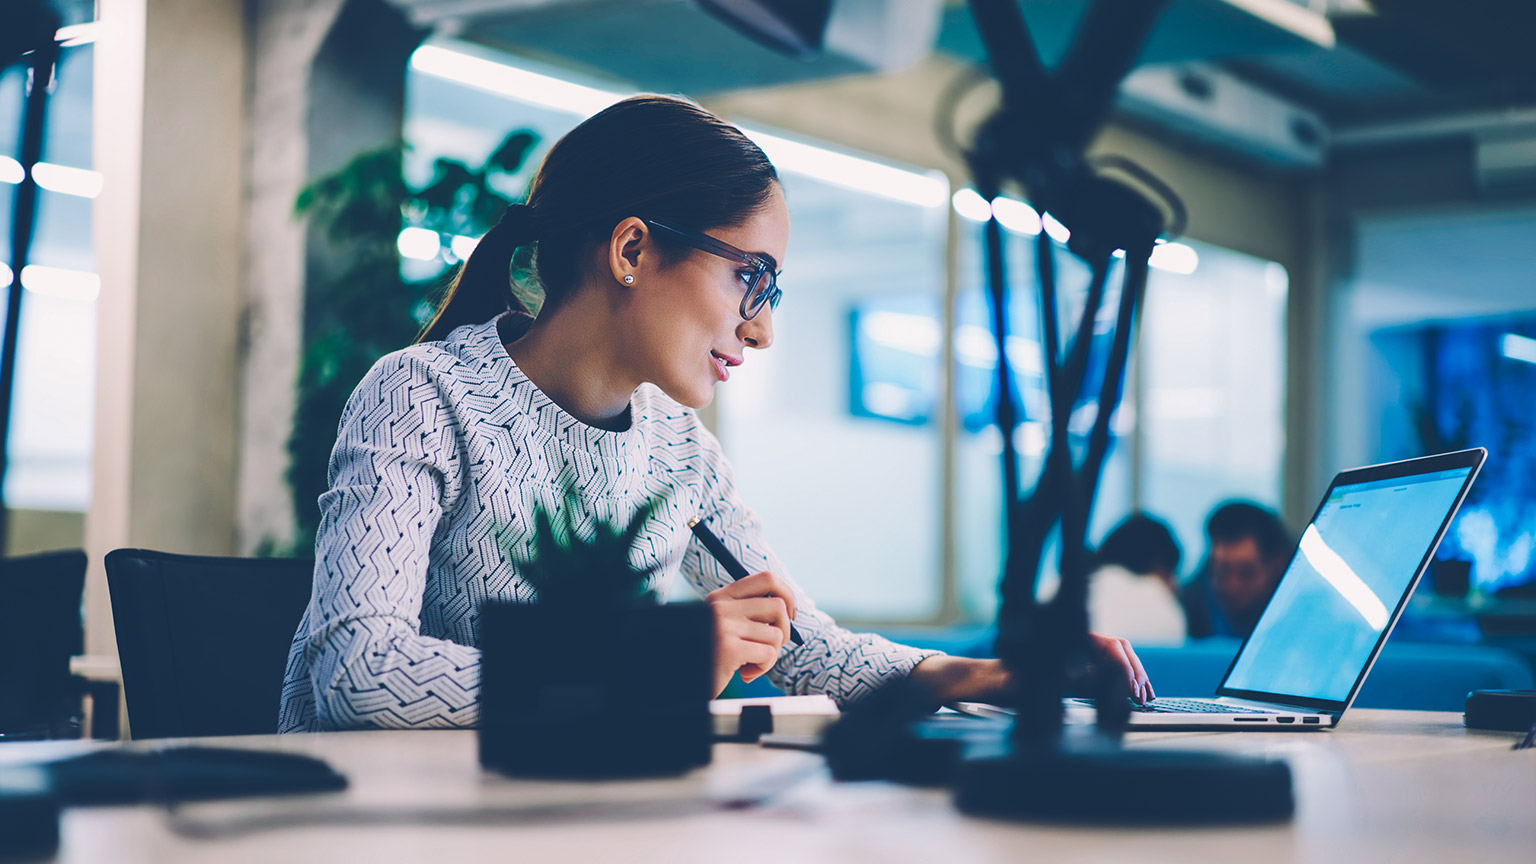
(970, 205)
(418, 243)
(66, 180)
(1017, 216)
(852, 172)
(519, 84)
(1175, 257)
(463, 246)
(57, 282)
(54, 178)
(77, 34)
(923, 189)
(1058, 231)
(1014, 215)
(1517, 347)
(1343, 578)
(1276, 280)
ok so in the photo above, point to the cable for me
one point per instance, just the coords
(1177, 212)
(946, 114)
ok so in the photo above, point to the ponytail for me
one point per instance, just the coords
(483, 287)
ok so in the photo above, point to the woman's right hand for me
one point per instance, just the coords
(752, 618)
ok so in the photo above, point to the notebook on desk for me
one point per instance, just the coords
(805, 716)
(1356, 565)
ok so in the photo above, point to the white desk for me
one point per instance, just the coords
(1386, 786)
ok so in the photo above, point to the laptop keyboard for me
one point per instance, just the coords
(1192, 706)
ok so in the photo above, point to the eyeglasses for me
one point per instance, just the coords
(762, 282)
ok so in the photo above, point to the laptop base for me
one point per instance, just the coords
(1126, 787)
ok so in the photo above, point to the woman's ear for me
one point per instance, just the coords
(628, 249)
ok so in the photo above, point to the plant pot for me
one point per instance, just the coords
(595, 691)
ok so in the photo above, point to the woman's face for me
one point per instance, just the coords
(687, 314)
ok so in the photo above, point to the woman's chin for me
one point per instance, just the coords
(691, 397)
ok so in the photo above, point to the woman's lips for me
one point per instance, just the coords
(723, 363)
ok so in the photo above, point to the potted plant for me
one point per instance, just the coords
(562, 693)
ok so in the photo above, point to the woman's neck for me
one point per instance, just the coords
(564, 355)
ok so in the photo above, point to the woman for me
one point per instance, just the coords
(659, 232)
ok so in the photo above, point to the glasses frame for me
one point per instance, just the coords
(756, 298)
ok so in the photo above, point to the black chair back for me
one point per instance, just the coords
(203, 641)
(40, 629)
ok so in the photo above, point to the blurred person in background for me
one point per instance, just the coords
(1134, 588)
(1249, 548)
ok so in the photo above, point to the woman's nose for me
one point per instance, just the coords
(757, 331)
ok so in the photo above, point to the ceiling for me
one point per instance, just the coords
(1406, 62)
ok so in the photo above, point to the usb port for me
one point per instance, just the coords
(1313, 720)
(1285, 719)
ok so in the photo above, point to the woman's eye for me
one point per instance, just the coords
(745, 275)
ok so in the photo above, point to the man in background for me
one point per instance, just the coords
(1249, 547)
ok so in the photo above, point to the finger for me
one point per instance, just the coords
(780, 588)
(764, 584)
(767, 610)
(754, 659)
(756, 585)
(748, 630)
(1141, 672)
(1114, 650)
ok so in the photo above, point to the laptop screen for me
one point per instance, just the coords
(1354, 565)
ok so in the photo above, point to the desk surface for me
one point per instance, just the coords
(1385, 786)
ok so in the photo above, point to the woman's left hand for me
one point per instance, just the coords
(1118, 652)
(953, 679)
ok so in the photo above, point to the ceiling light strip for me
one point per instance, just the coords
(925, 189)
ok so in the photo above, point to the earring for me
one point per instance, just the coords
(629, 279)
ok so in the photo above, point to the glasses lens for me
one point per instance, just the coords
(764, 292)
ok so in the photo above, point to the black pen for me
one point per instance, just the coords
(732, 567)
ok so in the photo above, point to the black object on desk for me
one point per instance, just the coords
(1504, 710)
(29, 814)
(186, 774)
(556, 702)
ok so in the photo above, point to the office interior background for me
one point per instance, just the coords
(1355, 284)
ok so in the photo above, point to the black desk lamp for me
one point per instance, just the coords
(1038, 139)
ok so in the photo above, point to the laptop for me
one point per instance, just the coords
(1353, 571)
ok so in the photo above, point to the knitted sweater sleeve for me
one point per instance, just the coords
(397, 465)
(844, 665)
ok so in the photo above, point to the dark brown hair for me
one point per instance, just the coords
(656, 157)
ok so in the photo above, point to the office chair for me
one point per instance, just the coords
(40, 629)
(203, 641)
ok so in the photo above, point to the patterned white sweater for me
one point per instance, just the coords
(445, 445)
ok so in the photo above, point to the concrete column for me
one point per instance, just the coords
(169, 127)
(328, 82)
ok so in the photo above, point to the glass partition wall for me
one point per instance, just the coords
(868, 448)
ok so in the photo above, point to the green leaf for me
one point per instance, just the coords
(564, 568)
(513, 151)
